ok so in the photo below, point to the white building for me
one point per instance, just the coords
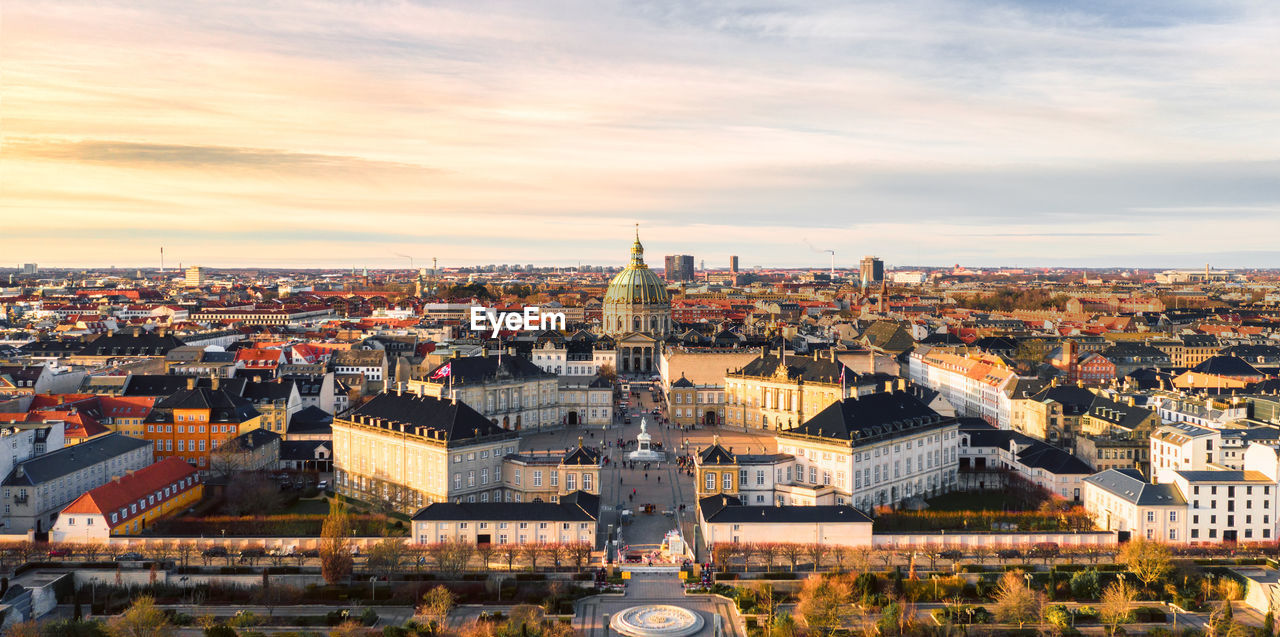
(874, 450)
(1183, 447)
(572, 520)
(1120, 500)
(1211, 505)
(22, 443)
(1035, 461)
(510, 391)
(416, 450)
(976, 385)
(724, 518)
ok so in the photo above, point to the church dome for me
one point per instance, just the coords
(637, 284)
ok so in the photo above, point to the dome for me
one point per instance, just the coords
(637, 284)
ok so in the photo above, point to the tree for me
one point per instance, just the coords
(766, 604)
(555, 552)
(142, 619)
(785, 626)
(251, 493)
(531, 553)
(335, 546)
(349, 628)
(792, 552)
(1016, 603)
(822, 602)
(183, 551)
(579, 554)
(485, 552)
(436, 605)
(1084, 585)
(28, 628)
(1149, 561)
(608, 373)
(1116, 605)
(229, 459)
(509, 553)
(386, 557)
(817, 551)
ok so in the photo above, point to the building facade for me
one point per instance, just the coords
(409, 451)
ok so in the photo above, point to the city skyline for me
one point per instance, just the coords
(331, 135)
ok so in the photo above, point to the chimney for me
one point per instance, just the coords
(902, 384)
(213, 381)
(191, 382)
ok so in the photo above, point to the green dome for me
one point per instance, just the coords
(637, 284)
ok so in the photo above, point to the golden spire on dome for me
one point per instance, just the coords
(637, 250)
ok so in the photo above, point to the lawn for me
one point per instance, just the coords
(308, 507)
(982, 501)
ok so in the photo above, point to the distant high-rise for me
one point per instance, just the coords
(194, 276)
(733, 264)
(30, 268)
(679, 267)
(872, 270)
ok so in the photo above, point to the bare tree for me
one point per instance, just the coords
(823, 602)
(435, 606)
(336, 562)
(531, 553)
(792, 552)
(1116, 605)
(768, 553)
(509, 553)
(485, 552)
(386, 557)
(1015, 601)
(1149, 561)
(579, 554)
(816, 551)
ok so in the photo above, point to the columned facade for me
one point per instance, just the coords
(637, 312)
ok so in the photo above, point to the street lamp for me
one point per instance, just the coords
(373, 591)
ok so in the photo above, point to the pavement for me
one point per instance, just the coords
(589, 613)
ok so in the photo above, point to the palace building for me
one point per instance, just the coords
(637, 314)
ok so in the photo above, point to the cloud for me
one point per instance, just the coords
(541, 131)
(144, 155)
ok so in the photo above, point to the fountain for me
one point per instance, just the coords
(644, 452)
(656, 620)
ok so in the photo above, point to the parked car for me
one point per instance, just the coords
(129, 557)
(215, 551)
(62, 552)
(1008, 554)
(952, 555)
(323, 485)
(311, 553)
(252, 553)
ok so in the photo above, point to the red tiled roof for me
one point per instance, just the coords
(127, 490)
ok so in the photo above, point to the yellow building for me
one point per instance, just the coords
(776, 393)
(717, 471)
(129, 504)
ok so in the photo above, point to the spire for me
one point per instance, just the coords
(637, 250)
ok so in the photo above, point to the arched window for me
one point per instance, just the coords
(635, 323)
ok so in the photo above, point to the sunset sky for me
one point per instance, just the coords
(332, 134)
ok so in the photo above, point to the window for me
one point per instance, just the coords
(711, 481)
(727, 481)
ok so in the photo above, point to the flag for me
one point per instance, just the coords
(445, 370)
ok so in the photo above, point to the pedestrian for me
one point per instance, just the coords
(659, 479)
(646, 475)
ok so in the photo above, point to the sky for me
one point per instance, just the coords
(335, 134)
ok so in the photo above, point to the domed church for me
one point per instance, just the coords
(637, 313)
